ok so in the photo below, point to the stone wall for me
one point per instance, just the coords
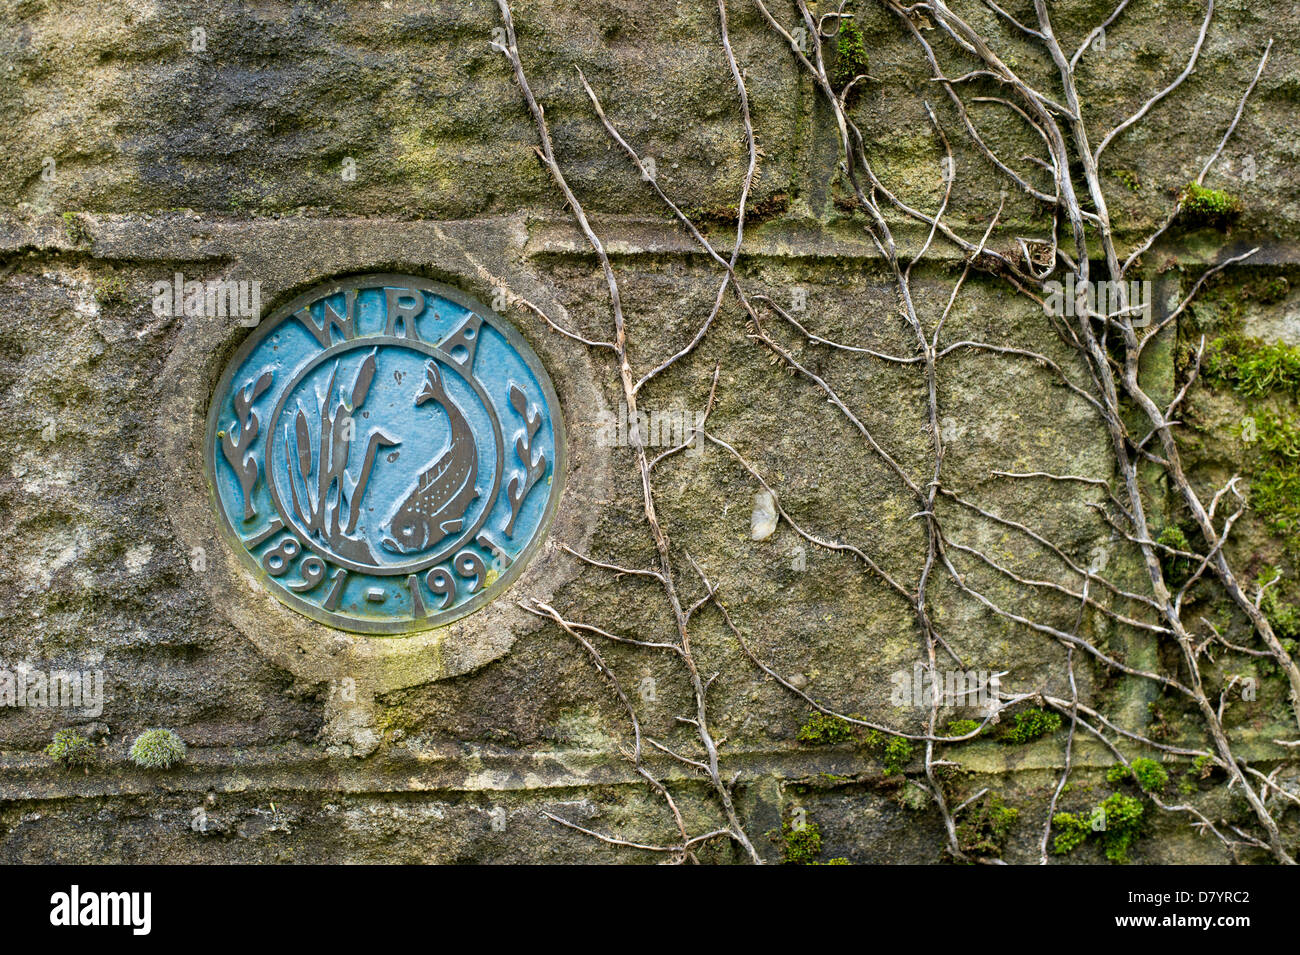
(294, 143)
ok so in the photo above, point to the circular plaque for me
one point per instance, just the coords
(385, 454)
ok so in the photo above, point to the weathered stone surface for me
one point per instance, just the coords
(228, 162)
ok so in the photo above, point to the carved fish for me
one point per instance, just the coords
(436, 506)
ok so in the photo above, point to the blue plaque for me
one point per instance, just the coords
(385, 453)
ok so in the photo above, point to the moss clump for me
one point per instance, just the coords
(984, 829)
(1282, 616)
(821, 729)
(1124, 817)
(1117, 821)
(852, 49)
(895, 751)
(157, 749)
(1128, 177)
(1275, 483)
(1028, 725)
(1071, 831)
(110, 291)
(1200, 206)
(962, 727)
(1149, 774)
(69, 748)
(1174, 537)
(1271, 290)
(802, 844)
(1176, 569)
(1253, 368)
(76, 231)
(897, 754)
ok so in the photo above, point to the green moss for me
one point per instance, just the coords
(157, 749)
(1253, 368)
(1071, 831)
(897, 752)
(1272, 290)
(894, 751)
(76, 231)
(1200, 206)
(1176, 569)
(802, 844)
(1128, 177)
(1174, 537)
(1124, 818)
(1203, 766)
(962, 727)
(983, 830)
(1028, 725)
(1275, 481)
(852, 49)
(110, 291)
(1149, 774)
(1282, 615)
(1118, 822)
(69, 748)
(821, 729)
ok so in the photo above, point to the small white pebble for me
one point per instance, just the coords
(763, 521)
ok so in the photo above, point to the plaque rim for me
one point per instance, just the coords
(433, 621)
